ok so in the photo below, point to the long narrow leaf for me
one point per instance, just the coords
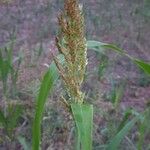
(128, 113)
(144, 129)
(98, 45)
(47, 85)
(2, 119)
(115, 142)
(95, 45)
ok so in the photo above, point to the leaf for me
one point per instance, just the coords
(98, 45)
(14, 112)
(47, 84)
(4, 70)
(102, 65)
(144, 129)
(2, 119)
(143, 65)
(126, 116)
(83, 116)
(95, 45)
(115, 142)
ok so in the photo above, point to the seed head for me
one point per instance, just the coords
(72, 44)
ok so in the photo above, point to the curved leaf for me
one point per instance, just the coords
(46, 86)
(98, 45)
(95, 45)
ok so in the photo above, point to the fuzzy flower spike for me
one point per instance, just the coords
(72, 44)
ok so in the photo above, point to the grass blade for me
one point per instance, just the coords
(95, 45)
(2, 119)
(144, 129)
(83, 116)
(46, 86)
(128, 113)
(115, 142)
(99, 45)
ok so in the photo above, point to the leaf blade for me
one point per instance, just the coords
(96, 46)
(83, 116)
(47, 84)
(115, 142)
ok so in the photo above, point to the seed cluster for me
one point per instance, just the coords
(72, 44)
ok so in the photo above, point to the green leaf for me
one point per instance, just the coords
(143, 65)
(96, 46)
(2, 119)
(83, 116)
(115, 142)
(14, 112)
(144, 129)
(4, 70)
(126, 116)
(47, 84)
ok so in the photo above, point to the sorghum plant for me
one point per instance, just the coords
(71, 43)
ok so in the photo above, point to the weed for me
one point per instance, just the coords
(9, 67)
(144, 129)
(9, 119)
(102, 65)
(116, 93)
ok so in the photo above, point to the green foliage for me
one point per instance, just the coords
(10, 118)
(143, 65)
(36, 53)
(84, 139)
(144, 129)
(47, 84)
(95, 45)
(79, 112)
(125, 118)
(102, 65)
(123, 129)
(2, 118)
(115, 142)
(116, 93)
(100, 46)
(83, 116)
(7, 68)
